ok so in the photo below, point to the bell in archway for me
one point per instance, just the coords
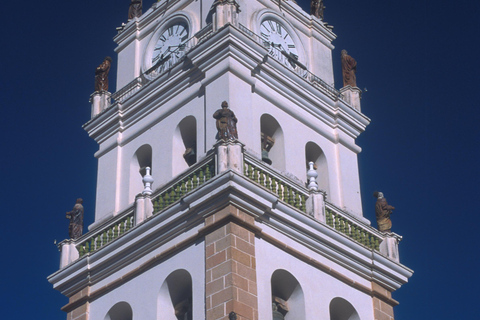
(267, 144)
(190, 156)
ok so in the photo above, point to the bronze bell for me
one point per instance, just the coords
(190, 156)
(267, 144)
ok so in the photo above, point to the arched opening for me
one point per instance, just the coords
(315, 154)
(120, 311)
(140, 160)
(175, 297)
(184, 145)
(341, 309)
(272, 142)
(287, 297)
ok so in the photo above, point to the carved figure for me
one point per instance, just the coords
(75, 227)
(135, 9)
(383, 212)
(101, 75)
(349, 69)
(226, 123)
(317, 8)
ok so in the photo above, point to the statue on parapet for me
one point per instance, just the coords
(317, 8)
(75, 216)
(349, 70)
(226, 123)
(101, 75)
(135, 9)
(382, 212)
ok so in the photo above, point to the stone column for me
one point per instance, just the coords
(389, 246)
(352, 96)
(226, 12)
(229, 156)
(315, 205)
(68, 252)
(231, 279)
(143, 208)
(100, 101)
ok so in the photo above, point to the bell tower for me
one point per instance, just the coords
(228, 184)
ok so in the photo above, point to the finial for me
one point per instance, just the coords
(312, 177)
(147, 182)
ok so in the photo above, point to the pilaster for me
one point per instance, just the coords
(382, 303)
(231, 280)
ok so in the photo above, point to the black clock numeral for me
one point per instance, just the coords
(170, 31)
(272, 27)
(291, 46)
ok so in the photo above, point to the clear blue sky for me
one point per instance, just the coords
(416, 58)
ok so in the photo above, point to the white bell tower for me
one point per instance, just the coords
(266, 226)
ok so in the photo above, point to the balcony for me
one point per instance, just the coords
(287, 190)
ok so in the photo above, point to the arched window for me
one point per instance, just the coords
(272, 142)
(315, 154)
(184, 145)
(140, 160)
(287, 297)
(120, 311)
(175, 297)
(341, 309)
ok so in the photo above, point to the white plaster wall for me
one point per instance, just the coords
(142, 291)
(315, 47)
(318, 288)
(105, 203)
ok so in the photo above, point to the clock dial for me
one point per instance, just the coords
(278, 40)
(170, 46)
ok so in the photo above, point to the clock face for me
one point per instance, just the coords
(278, 41)
(170, 46)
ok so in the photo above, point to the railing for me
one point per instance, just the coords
(129, 90)
(154, 72)
(291, 63)
(287, 192)
(192, 179)
(106, 235)
(340, 221)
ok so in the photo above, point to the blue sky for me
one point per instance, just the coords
(417, 60)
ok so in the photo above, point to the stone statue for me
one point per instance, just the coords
(101, 75)
(135, 9)
(75, 227)
(349, 69)
(383, 212)
(226, 123)
(316, 8)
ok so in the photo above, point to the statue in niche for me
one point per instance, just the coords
(135, 9)
(349, 70)
(101, 75)
(226, 123)
(279, 308)
(317, 8)
(383, 211)
(267, 144)
(75, 227)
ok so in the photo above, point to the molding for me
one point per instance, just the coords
(201, 233)
(182, 222)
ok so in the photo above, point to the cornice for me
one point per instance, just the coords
(184, 220)
(229, 50)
